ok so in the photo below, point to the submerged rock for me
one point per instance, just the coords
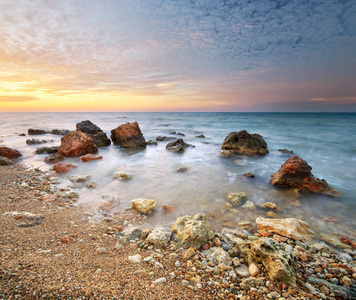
(63, 167)
(294, 229)
(144, 205)
(163, 138)
(178, 146)
(244, 143)
(236, 198)
(9, 153)
(48, 150)
(77, 143)
(54, 158)
(192, 231)
(296, 173)
(32, 131)
(60, 131)
(89, 157)
(128, 135)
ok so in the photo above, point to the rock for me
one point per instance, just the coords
(34, 141)
(48, 198)
(9, 153)
(249, 205)
(71, 195)
(132, 233)
(188, 253)
(217, 256)
(242, 271)
(135, 258)
(88, 127)
(60, 131)
(23, 215)
(236, 198)
(160, 280)
(106, 205)
(278, 259)
(144, 205)
(177, 133)
(181, 169)
(89, 157)
(178, 146)
(151, 142)
(5, 161)
(91, 185)
(122, 176)
(128, 135)
(296, 173)
(168, 208)
(192, 231)
(286, 151)
(162, 138)
(63, 167)
(77, 143)
(159, 237)
(244, 143)
(269, 205)
(248, 175)
(333, 241)
(35, 131)
(253, 270)
(65, 239)
(48, 150)
(79, 178)
(226, 153)
(217, 242)
(201, 136)
(317, 247)
(54, 158)
(100, 139)
(248, 283)
(295, 229)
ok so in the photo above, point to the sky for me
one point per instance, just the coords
(177, 55)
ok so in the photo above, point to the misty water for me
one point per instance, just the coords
(327, 141)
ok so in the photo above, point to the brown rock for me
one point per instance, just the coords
(32, 131)
(244, 143)
(292, 228)
(107, 206)
(88, 127)
(296, 173)
(66, 239)
(253, 270)
(128, 135)
(77, 143)
(89, 157)
(168, 208)
(54, 158)
(9, 153)
(63, 167)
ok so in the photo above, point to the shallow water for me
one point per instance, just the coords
(326, 141)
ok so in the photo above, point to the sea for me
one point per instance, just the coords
(327, 141)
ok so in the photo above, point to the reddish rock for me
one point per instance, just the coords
(353, 245)
(66, 239)
(9, 153)
(89, 157)
(345, 240)
(107, 206)
(296, 173)
(77, 143)
(244, 143)
(63, 167)
(167, 208)
(128, 135)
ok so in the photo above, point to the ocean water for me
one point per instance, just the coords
(327, 141)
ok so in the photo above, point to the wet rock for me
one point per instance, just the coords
(32, 131)
(89, 157)
(54, 158)
(106, 205)
(296, 173)
(60, 131)
(249, 205)
(4, 161)
(192, 231)
(151, 142)
(100, 139)
(79, 178)
(162, 138)
(48, 150)
(217, 256)
(248, 175)
(236, 198)
(132, 233)
(244, 143)
(269, 205)
(285, 151)
(159, 237)
(128, 135)
(168, 208)
(9, 153)
(63, 167)
(178, 146)
(34, 141)
(278, 259)
(226, 153)
(88, 127)
(144, 205)
(292, 228)
(122, 176)
(201, 136)
(77, 143)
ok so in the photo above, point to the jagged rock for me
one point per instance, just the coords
(244, 143)
(128, 135)
(295, 229)
(88, 127)
(286, 151)
(63, 167)
(32, 131)
(201, 136)
(192, 231)
(159, 237)
(278, 259)
(9, 153)
(249, 205)
(100, 139)
(54, 158)
(77, 143)
(178, 146)
(4, 161)
(181, 169)
(226, 153)
(236, 198)
(217, 255)
(296, 173)
(144, 205)
(89, 157)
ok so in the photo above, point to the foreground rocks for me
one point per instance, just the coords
(296, 173)
(77, 143)
(244, 143)
(9, 153)
(128, 135)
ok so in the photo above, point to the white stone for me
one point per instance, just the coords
(135, 258)
(160, 280)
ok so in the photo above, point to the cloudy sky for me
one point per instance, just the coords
(177, 55)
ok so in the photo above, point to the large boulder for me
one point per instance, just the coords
(278, 259)
(192, 231)
(77, 143)
(9, 153)
(244, 143)
(291, 228)
(178, 146)
(128, 135)
(296, 173)
(88, 127)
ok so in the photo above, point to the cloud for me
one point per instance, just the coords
(4, 98)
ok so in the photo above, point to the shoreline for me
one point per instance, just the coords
(63, 253)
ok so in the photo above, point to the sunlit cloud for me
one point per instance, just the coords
(17, 98)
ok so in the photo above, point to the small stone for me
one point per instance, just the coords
(188, 253)
(249, 205)
(144, 205)
(101, 250)
(135, 258)
(168, 208)
(242, 271)
(181, 169)
(66, 239)
(107, 206)
(185, 282)
(253, 270)
(217, 242)
(160, 280)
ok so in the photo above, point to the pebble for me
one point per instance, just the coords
(253, 270)
(135, 258)
(160, 280)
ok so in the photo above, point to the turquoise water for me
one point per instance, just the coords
(327, 141)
